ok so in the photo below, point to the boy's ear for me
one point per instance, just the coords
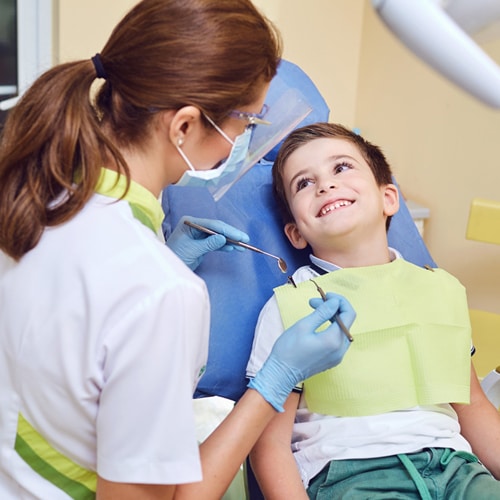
(294, 236)
(391, 199)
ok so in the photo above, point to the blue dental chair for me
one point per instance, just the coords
(240, 283)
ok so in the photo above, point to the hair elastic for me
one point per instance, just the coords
(99, 68)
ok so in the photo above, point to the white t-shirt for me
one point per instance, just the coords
(317, 439)
(103, 337)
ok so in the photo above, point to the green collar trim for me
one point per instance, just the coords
(145, 207)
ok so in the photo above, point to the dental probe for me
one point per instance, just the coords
(336, 316)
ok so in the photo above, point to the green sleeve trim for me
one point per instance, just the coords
(76, 481)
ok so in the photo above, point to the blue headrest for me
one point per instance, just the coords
(239, 283)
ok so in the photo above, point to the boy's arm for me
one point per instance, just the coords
(480, 425)
(272, 459)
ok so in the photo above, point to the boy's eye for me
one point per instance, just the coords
(341, 167)
(303, 183)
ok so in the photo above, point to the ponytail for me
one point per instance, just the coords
(51, 153)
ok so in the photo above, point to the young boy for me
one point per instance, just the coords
(403, 413)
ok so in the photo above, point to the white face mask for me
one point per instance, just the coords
(233, 164)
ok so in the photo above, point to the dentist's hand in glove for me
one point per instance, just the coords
(191, 244)
(301, 352)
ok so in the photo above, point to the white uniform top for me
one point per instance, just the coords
(318, 439)
(103, 337)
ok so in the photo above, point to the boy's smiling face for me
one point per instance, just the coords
(333, 196)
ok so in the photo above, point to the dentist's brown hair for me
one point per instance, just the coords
(163, 55)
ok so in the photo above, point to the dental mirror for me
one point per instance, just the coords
(281, 263)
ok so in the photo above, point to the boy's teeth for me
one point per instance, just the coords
(334, 206)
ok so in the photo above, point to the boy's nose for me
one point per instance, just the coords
(326, 185)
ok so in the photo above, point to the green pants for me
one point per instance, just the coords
(431, 474)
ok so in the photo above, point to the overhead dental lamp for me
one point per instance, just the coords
(437, 32)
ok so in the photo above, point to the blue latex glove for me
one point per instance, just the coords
(191, 244)
(300, 352)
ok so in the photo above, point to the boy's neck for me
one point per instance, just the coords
(365, 254)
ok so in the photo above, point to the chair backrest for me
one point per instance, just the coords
(484, 225)
(486, 338)
(240, 283)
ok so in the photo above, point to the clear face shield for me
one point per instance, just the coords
(286, 107)
(283, 115)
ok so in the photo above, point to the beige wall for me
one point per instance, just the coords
(443, 144)
(310, 37)
(84, 26)
(324, 38)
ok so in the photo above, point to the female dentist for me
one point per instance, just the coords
(103, 329)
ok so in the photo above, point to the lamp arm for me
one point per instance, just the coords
(432, 35)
